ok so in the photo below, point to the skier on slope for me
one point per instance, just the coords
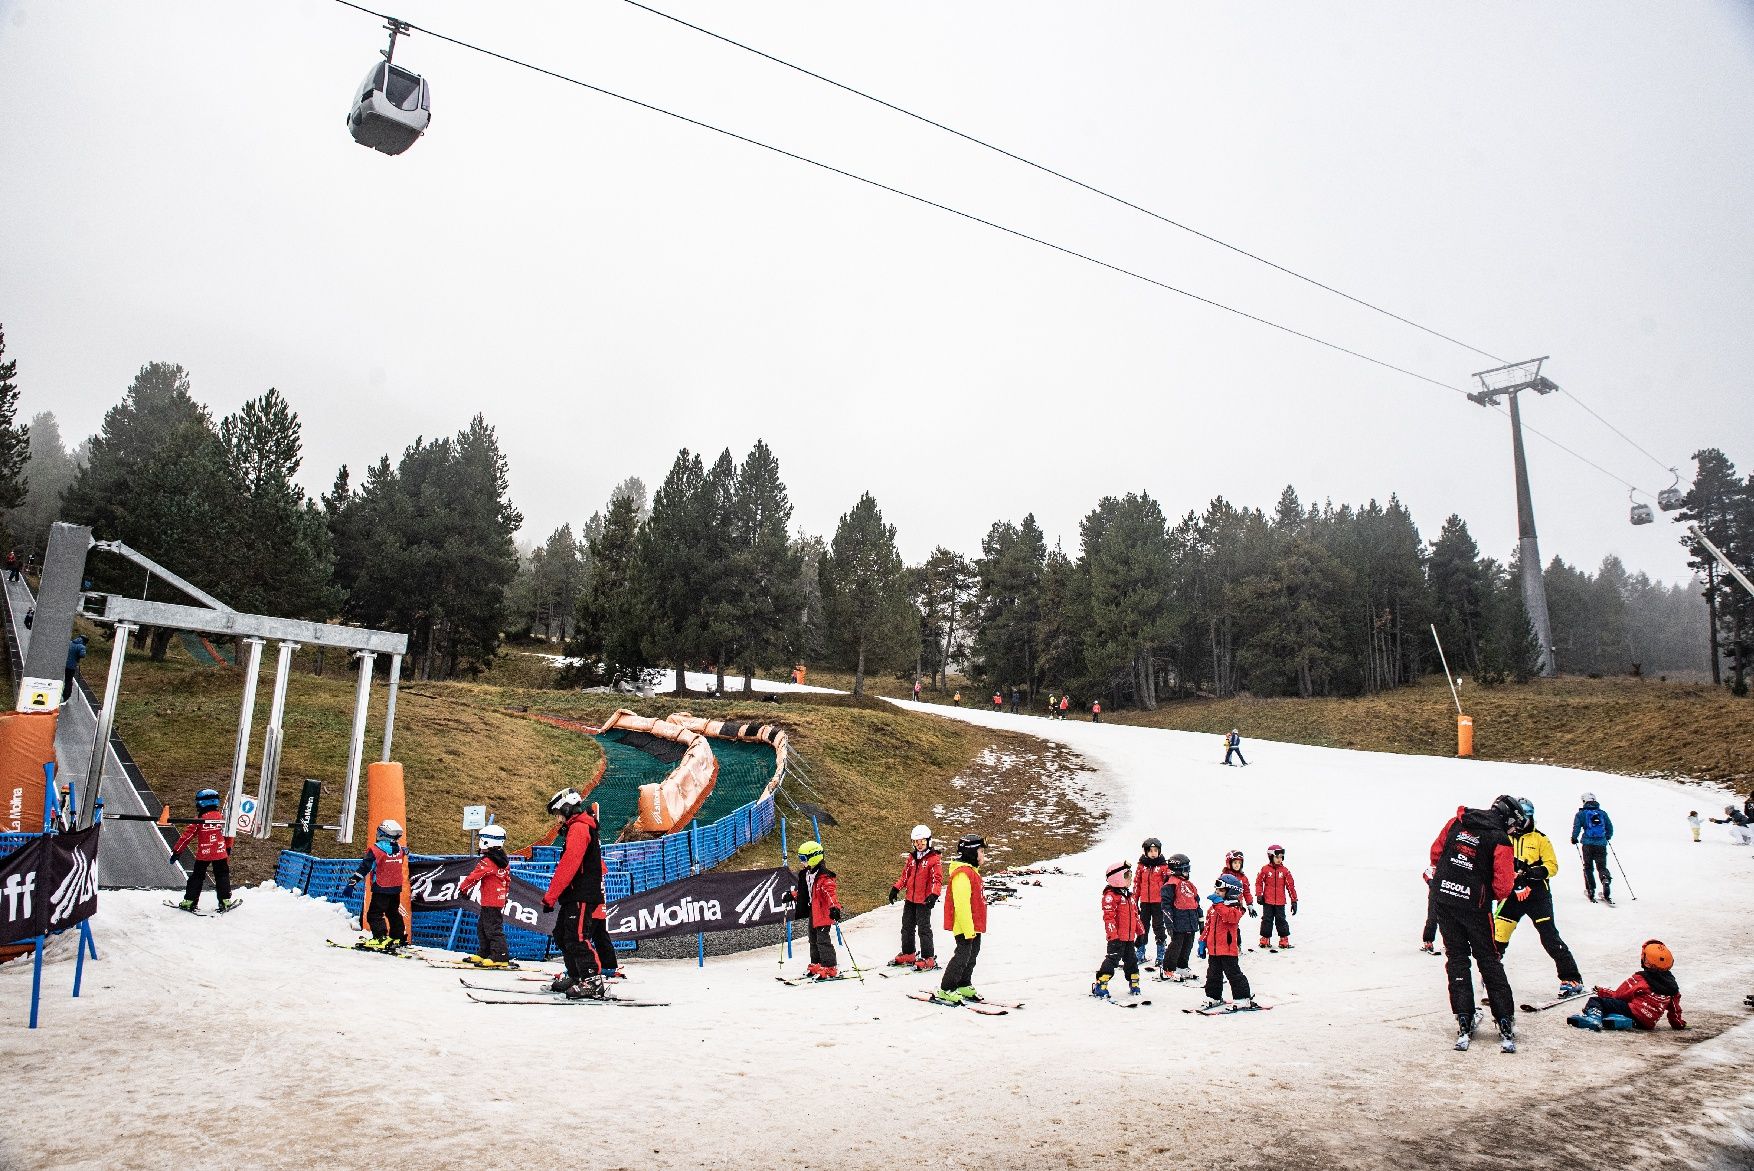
(1148, 888)
(1277, 890)
(921, 882)
(1221, 945)
(1183, 899)
(212, 849)
(1639, 1002)
(1233, 864)
(493, 874)
(814, 899)
(1122, 928)
(1594, 829)
(1536, 864)
(387, 864)
(1474, 864)
(965, 917)
(575, 894)
(1233, 743)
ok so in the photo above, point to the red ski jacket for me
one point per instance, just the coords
(921, 877)
(386, 869)
(1276, 885)
(974, 915)
(494, 877)
(1120, 915)
(578, 876)
(1185, 896)
(1647, 1004)
(1248, 896)
(818, 893)
(1149, 879)
(211, 844)
(1222, 936)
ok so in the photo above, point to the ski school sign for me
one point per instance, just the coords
(706, 902)
(49, 885)
(433, 887)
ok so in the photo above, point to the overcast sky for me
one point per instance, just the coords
(608, 285)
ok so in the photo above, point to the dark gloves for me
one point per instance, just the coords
(1294, 906)
(1254, 914)
(931, 901)
(894, 893)
(834, 914)
(547, 906)
(351, 883)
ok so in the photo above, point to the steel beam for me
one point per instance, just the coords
(236, 625)
(270, 775)
(390, 708)
(106, 720)
(240, 756)
(356, 747)
(152, 566)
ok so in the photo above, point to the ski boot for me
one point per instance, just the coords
(1186, 976)
(372, 944)
(1162, 954)
(1284, 945)
(1465, 1022)
(186, 905)
(946, 996)
(1590, 1019)
(1569, 988)
(392, 946)
(1607, 898)
(904, 960)
(1507, 1034)
(590, 988)
(475, 961)
(1133, 984)
(484, 962)
(1210, 1004)
(1247, 1005)
(1139, 954)
(1099, 990)
(229, 904)
(1618, 1021)
(608, 973)
(926, 964)
(1590, 894)
(967, 993)
(1266, 944)
(560, 983)
(813, 971)
(828, 973)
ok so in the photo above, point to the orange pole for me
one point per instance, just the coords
(386, 798)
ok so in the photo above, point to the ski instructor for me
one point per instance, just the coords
(1474, 865)
(576, 892)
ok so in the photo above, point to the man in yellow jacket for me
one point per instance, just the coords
(1536, 864)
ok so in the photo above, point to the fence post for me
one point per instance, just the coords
(786, 863)
(694, 867)
(456, 926)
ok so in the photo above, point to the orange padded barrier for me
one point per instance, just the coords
(386, 799)
(27, 743)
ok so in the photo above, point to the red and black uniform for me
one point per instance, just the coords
(1278, 890)
(1149, 882)
(576, 892)
(1121, 923)
(1473, 865)
(493, 874)
(1223, 939)
(814, 899)
(387, 865)
(212, 849)
(920, 884)
(1183, 904)
(1645, 998)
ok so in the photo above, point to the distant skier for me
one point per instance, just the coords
(1233, 744)
(1065, 705)
(921, 882)
(1739, 824)
(814, 900)
(965, 917)
(1233, 864)
(1693, 824)
(75, 652)
(1221, 944)
(1182, 898)
(1121, 926)
(12, 565)
(212, 849)
(575, 894)
(1096, 711)
(1474, 864)
(1536, 864)
(1277, 890)
(1016, 701)
(916, 691)
(1641, 1001)
(1148, 888)
(998, 702)
(386, 862)
(1594, 829)
(493, 874)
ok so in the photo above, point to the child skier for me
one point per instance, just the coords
(814, 899)
(1065, 705)
(1233, 743)
(1641, 1001)
(921, 881)
(1276, 888)
(998, 702)
(1183, 900)
(1221, 944)
(1233, 863)
(1148, 884)
(965, 917)
(1096, 711)
(493, 874)
(1693, 823)
(212, 849)
(1120, 921)
(387, 863)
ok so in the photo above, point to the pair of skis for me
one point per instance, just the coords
(983, 1006)
(1228, 1008)
(405, 953)
(200, 914)
(542, 996)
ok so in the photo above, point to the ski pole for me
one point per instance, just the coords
(857, 970)
(1623, 877)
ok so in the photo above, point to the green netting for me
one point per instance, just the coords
(744, 769)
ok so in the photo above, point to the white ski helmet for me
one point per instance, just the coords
(491, 836)
(390, 828)
(1587, 798)
(921, 831)
(565, 801)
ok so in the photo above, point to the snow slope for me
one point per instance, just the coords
(242, 1041)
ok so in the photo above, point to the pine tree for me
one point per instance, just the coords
(1126, 563)
(1460, 592)
(671, 572)
(872, 625)
(50, 470)
(282, 561)
(765, 565)
(1010, 572)
(14, 439)
(1711, 504)
(610, 622)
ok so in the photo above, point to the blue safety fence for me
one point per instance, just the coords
(629, 869)
(11, 842)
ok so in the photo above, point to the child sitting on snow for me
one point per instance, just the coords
(1641, 1001)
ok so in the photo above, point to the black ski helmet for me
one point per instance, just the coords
(968, 848)
(1510, 811)
(1180, 865)
(1150, 844)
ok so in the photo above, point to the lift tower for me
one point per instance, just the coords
(1508, 382)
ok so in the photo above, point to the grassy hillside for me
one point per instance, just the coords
(1614, 725)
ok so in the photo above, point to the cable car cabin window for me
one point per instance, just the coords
(403, 89)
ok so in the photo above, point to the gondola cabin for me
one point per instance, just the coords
(1642, 515)
(1669, 499)
(391, 110)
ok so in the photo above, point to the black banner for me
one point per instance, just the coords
(432, 886)
(49, 885)
(706, 902)
(304, 824)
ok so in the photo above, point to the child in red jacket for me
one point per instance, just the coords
(1641, 1001)
(1181, 901)
(1120, 922)
(1233, 864)
(1150, 885)
(1221, 944)
(493, 874)
(921, 882)
(1277, 889)
(212, 849)
(814, 899)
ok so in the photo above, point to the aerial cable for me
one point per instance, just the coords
(1635, 444)
(1047, 170)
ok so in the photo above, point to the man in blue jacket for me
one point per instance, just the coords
(1594, 829)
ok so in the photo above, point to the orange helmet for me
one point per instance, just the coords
(1656, 954)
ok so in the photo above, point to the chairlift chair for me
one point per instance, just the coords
(393, 106)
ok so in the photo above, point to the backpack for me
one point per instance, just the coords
(1592, 823)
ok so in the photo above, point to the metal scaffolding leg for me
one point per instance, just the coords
(270, 783)
(106, 720)
(356, 747)
(390, 708)
(240, 756)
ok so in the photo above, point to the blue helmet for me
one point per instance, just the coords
(1232, 887)
(1528, 808)
(206, 799)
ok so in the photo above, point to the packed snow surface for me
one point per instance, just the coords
(241, 1041)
